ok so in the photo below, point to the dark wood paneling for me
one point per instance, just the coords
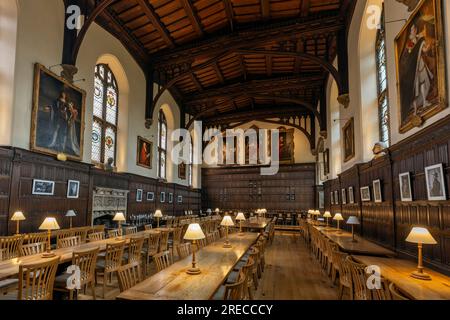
(388, 223)
(18, 169)
(244, 188)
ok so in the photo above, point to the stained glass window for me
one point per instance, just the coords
(383, 103)
(105, 111)
(162, 144)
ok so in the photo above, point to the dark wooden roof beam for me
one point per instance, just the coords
(193, 17)
(265, 9)
(229, 12)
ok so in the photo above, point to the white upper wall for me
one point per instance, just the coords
(40, 38)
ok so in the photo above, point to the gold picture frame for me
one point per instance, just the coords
(144, 157)
(348, 132)
(57, 118)
(421, 41)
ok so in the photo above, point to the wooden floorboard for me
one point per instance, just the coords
(292, 273)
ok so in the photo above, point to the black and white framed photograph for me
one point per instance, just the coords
(332, 197)
(434, 176)
(162, 197)
(365, 194)
(139, 193)
(73, 189)
(405, 187)
(344, 196)
(351, 195)
(170, 197)
(321, 199)
(377, 196)
(43, 187)
(150, 196)
(336, 197)
(180, 199)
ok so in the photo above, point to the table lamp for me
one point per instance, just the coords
(338, 217)
(327, 215)
(158, 215)
(194, 232)
(217, 211)
(18, 216)
(119, 217)
(49, 224)
(353, 221)
(317, 214)
(227, 222)
(71, 214)
(240, 217)
(264, 211)
(420, 236)
(209, 211)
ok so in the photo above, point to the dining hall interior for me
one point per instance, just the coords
(224, 150)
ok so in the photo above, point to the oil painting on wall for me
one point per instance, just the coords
(58, 115)
(420, 57)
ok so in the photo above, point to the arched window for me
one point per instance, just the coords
(383, 102)
(104, 125)
(191, 165)
(162, 145)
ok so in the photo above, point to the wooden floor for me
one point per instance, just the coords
(291, 273)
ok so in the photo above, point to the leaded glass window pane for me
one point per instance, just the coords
(98, 98)
(111, 106)
(96, 141)
(110, 144)
(163, 165)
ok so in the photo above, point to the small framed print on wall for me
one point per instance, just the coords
(344, 196)
(365, 194)
(139, 193)
(405, 187)
(43, 187)
(180, 199)
(170, 197)
(150, 196)
(336, 197)
(351, 195)
(434, 176)
(162, 197)
(73, 189)
(377, 196)
(331, 197)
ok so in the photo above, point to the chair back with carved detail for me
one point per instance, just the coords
(131, 230)
(86, 260)
(69, 242)
(114, 233)
(129, 275)
(359, 279)
(163, 260)
(235, 291)
(135, 249)
(96, 236)
(36, 280)
(35, 237)
(164, 241)
(10, 247)
(33, 248)
(114, 255)
(184, 250)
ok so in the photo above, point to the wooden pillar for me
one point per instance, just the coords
(342, 49)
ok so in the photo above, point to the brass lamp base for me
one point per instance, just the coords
(48, 255)
(227, 244)
(420, 275)
(193, 271)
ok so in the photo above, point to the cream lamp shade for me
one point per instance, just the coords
(240, 216)
(420, 235)
(217, 210)
(71, 213)
(353, 220)
(49, 224)
(158, 214)
(227, 221)
(338, 217)
(194, 232)
(317, 213)
(327, 214)
(119, 217)
(209, 211)
(18, 216)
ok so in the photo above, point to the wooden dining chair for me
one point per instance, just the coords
(232, 291)
(114, 233)
(345, 274)
(210, 238)
(359, 280)
(131, 230)
(96, 236)
(148, 227)
(129, 275)
(69, 242)
(150, 249)
(164, 241)
(36, 280)
(35, 237)
(383, 292)
(111, 263)
(396, 293)
(82, 233)
(33, 248)
(86, 260)
(134, 253)
(163, 260)
(10, 247)
(184, 250)
(246, 269)
(62, 234)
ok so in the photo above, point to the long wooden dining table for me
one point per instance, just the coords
(173, 283)
(10, 268)
(361, 247)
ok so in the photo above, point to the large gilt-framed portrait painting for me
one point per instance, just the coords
(349, 140)
(144, 153)
(421, 66)
(285, 145)
(57, 122)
